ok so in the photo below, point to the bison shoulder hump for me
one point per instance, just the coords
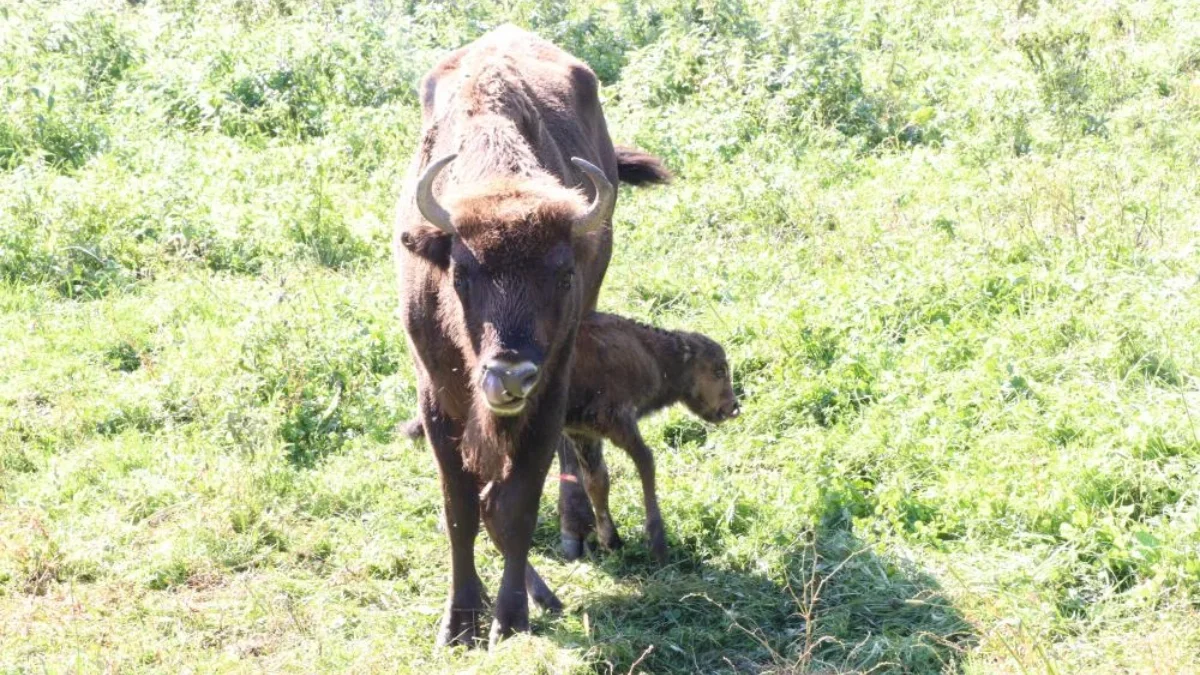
(429, 83)
(428, 89)
(584, 82)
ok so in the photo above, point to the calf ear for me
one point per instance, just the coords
(428, 243)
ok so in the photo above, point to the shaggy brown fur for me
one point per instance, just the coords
(504, 224)
(622, 371)
(628, 366)
(508, 221)
(509, 287)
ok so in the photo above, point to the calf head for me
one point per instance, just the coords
(507, 248)
(709, 391)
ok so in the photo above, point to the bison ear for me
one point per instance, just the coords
(430, 244)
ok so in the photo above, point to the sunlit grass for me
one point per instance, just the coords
(948, 248)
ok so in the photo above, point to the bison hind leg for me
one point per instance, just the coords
(574, 510)
(590, 452)
(540, 593)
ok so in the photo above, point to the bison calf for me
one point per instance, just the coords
(622, 371)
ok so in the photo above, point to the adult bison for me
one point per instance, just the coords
(502, 240)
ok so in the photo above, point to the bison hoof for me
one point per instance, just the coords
(658, 543)
(611, 541)
(545, 598)
(549, 603)
(658, 550)
(572, 547)
(503, 629)
(540, 593)
(460, 627)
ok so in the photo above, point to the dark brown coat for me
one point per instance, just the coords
(622, 371)
(506, 281)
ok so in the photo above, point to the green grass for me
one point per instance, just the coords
(950, 249)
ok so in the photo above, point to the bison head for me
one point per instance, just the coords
(710, 394)
(507, 248)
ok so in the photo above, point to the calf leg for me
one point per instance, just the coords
(595, 481)
(574, 511)
(460, 505)
(629, 439)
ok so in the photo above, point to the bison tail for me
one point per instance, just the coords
(413, 429)
(638, 167)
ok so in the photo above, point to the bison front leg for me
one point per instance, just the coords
(535, 586)
(510, 514)
(465, 607)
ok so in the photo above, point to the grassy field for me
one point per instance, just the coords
(951, 249)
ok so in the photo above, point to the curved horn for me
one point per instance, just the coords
(606, 195)
(427, 204)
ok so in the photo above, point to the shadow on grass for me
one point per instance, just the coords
(828, 604)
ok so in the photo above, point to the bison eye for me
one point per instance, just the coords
(721, 372)
(461, 283)
(566, 279)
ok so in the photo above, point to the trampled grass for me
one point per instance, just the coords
(950, 249)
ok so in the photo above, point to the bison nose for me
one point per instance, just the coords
(732, 410)
(504, 381)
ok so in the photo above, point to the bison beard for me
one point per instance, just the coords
(488, 445)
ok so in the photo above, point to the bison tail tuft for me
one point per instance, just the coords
(413, 429)
(638, 167)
